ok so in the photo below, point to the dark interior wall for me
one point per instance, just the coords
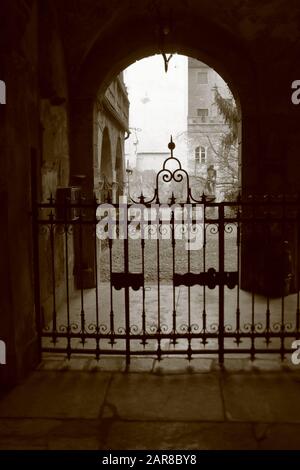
(34, 122)
(54, 154)
(19, 138)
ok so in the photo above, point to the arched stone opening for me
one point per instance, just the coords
(234, 66)
(94, 76)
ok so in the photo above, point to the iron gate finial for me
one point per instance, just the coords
(171, 146)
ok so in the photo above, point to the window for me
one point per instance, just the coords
(202, 78)
(203, 113)
(200, 154)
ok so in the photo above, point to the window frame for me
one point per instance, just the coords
(199, 73)
(200, 154)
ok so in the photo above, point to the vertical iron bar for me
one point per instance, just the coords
(143, 291)
(67, 208)
(221, 283)
(127, 299)
(52, 250)
(82, 314)
(238, 313)
(158, 288)
(144, 224)
(253, 286)
(297, 267)
(190, 221)
(174, 327)
(282, 327)
(204, 340)
(36, 254)
(268, 312)
(111, 298)
(96, 280)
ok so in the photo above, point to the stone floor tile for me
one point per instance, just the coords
(234, 365)
(57, 395)
(267, 365)
(108, 364)
(141, 364)
(174, 435)
(74, 443)
(166, 397)
(261, 397)
(27, 427)
(180, 365)
(279, 437)
(22, 444)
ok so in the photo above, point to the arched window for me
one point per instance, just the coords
(200, 154)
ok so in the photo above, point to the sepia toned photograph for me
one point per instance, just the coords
(149, 229)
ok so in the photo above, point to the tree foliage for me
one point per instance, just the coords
(228, 109)
(227, 153)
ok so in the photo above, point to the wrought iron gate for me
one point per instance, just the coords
(170, 275)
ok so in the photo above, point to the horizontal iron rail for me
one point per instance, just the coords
(150, 336)
(167, 352)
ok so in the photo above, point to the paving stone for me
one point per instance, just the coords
(27, 427)
(74, 363)
(73, 428)
(261, 397)
(235, 365)
(175, 397)
(260, 430)
(190, 436)
(60, 434)
(51, 364)
(179, 365)
(280, 437)
(108, 364)
(267, 365)
(141, 364)
(22, 444)
(75, 443)
(57, 395)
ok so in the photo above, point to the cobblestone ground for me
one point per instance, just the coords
(165, 258)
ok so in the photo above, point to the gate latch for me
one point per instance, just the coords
(122, 280)
(211, 278)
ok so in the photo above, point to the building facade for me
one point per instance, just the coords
(205, 129)
(111, 127)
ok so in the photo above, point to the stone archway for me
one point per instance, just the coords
(94, 76)
(212, 45)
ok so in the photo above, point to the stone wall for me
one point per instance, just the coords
(54, 162)
(19, 139)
